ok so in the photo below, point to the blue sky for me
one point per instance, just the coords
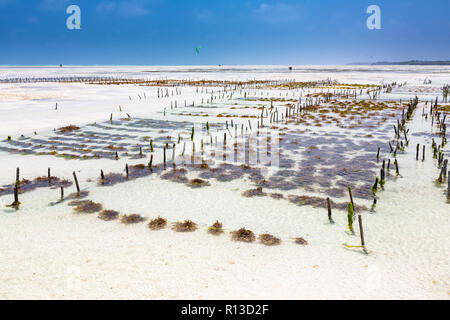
(163, 32)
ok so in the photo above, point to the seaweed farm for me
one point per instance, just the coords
(215, 172)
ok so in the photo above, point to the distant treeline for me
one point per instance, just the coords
(407, 63)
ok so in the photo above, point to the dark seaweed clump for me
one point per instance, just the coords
(198, 183)
(111, 179)
(186, 226)
(276, 196)
(131, 218)
(269, 240)
(318, 202)
(108, 215)
(216, 228)
(176, 175)
(301, 241)
(157, 224)
(86, 206)
(68, 128)
(243, 235)
(258, 192)
(26, 185)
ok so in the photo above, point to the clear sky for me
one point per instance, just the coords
(163, 32)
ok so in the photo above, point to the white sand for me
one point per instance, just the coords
(50, 252)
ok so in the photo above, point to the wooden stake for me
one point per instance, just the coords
(329, 210)
(164, 157)
(151, 162)
(374, 204)
(351, 197)
(173, 155)
(448, 186)
(76, 182)
(361, 232)
(16, 196)
(443, 171)
(445, 166)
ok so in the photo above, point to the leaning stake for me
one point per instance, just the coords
(396, 167)
(150, 162)
(361, 232)
(76, 182)
(351, 196)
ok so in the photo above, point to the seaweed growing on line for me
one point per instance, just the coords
(131, 218)
(108, 215)
(216, 228)
(186, 226)
(243, 235)
(269, 240)
(157, 224)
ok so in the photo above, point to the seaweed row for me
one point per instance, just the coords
(242, 235)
